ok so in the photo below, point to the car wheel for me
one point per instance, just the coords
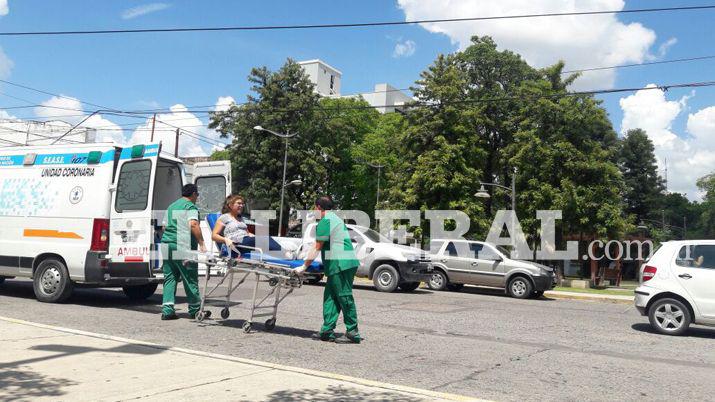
(2, 279)
(455, 287)
(140, 292)
(438, 281)
(51, 282)
(314, 280)
(669, 317)
(409, 286)
(386, 278)
(520, 287)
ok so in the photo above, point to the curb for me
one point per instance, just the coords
(590, 297)
(315, 373)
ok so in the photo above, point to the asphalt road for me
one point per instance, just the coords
(474, 342)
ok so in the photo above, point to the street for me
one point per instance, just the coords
(476, 342)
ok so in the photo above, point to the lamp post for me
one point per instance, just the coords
(482, 193)
(664, 226)
(379, 169)
(285, 166)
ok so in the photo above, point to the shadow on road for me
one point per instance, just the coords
(17, 383)
(693, 332)
(338, 394)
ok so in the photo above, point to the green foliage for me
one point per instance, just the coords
(644, 187)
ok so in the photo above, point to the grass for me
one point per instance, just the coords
(596, 291)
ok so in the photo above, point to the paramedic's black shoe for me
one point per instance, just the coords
(353, 337)
(171, 316)
(207, 314)
(325, 336)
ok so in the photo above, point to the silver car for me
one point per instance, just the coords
(460, 262)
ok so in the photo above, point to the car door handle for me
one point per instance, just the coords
(474, 264)
(685, 276)
(442, 260)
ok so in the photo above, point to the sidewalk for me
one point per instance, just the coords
(40, 362)
(557, 294)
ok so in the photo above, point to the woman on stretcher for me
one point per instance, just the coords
(231, 230)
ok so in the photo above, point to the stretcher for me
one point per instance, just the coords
(235, 268)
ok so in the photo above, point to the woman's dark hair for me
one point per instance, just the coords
(325, 203)
(230, 200)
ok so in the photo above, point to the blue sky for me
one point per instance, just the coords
(140, 71)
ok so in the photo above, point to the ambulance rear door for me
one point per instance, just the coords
(213, 180)
(131, 229)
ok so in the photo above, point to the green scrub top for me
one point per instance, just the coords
(337, 252)
(180, 212)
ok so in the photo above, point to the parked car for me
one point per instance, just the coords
(678, 286)
(390, 266)
(460, 262)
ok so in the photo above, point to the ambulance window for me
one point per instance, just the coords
(133, 186)
(212, 194)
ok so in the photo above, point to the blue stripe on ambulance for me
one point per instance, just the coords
(67, 159)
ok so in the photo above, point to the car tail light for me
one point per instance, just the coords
(100, 235)
(649, 272)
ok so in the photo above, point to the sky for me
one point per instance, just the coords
(178, 71)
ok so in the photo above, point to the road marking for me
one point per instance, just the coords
(315, 373)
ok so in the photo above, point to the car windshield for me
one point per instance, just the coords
(373, 235)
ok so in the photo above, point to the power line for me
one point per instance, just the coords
(350, 25)
(640, 64)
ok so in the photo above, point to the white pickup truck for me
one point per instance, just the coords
(389, 265)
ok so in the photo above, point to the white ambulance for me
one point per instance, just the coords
(83, 214)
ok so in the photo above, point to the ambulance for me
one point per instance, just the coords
(91, 214)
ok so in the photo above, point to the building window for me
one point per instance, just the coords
(332, 82)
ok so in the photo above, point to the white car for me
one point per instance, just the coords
(678, 286)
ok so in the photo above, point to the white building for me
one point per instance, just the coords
(18, 132)
(385, 98)
(325, 77)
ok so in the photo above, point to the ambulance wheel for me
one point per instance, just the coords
(270, 324)
(225, 313)
(140, 292)
(246, 327)
(2, 279)
(385, 278)
(51, 281)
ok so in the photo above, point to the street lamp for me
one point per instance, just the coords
(285, 165)
(482, 192)
(379, 169)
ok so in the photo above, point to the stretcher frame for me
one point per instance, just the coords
(277, 276)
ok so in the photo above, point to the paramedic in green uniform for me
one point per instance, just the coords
(182, 212)
(340, 265)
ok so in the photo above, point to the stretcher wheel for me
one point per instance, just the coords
(272, 282)
(200, 316)
(270, 324)
(246, 327)
(225, 313)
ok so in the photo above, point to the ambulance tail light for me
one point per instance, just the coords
(100, 235)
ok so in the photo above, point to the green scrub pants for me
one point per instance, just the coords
(337, 296)
(174, 271)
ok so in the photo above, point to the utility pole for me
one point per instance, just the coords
(153, 124)
(176, 144)
(379, 171)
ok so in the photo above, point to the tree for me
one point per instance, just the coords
(644, 187)
(320, 155)
(706, 184)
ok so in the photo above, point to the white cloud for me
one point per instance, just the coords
(195, 138)
(404, 49)
(688, 158)
(143, 10)
(68, 109)
(224, 103)
(581, 41)
(665, 46)
(4, 9)
(6, 65)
